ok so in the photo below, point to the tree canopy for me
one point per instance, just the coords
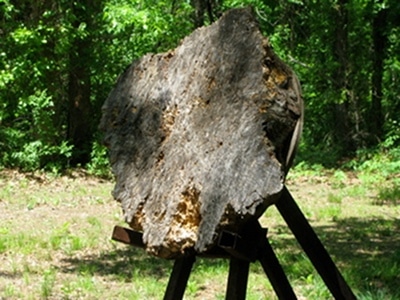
(60, 59)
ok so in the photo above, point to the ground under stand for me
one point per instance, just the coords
(251, 245)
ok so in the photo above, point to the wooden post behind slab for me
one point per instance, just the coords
(200, 137)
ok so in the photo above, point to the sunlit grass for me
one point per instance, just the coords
(55, 241)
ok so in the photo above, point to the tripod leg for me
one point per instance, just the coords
(313, 247)
(179, 278)
(274, 271)
(237, 280)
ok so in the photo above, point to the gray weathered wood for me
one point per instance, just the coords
(199, 137)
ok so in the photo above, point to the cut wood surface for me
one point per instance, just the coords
(200, 137)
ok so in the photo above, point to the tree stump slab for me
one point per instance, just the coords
(198, 136)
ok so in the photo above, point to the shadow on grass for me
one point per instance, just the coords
(128, 263)
(123, 263)
(367, 252)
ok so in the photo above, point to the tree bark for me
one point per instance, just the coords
(379, 40)
(201, 7)
(343, 123)
(199, 136)
(79, 88)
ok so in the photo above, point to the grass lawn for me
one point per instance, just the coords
(55, 241)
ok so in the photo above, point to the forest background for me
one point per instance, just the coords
(60, 59)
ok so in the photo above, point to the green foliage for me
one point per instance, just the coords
(392, 140)
(30, 143)
(386, 163)
(330, 46)
(99, 164)
(37, 41)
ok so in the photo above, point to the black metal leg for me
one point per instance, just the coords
(313, 247)
(274, 271)
(179, 278)
(237, 280)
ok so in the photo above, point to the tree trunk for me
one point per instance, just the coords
(379, 40)
(80, 110)
(200, 137)
(202, 7)
(343, 123)
(199, 10)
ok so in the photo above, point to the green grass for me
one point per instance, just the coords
(47, 284)
(55, 240)
(389, 194)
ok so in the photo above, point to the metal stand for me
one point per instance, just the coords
(249, 245)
